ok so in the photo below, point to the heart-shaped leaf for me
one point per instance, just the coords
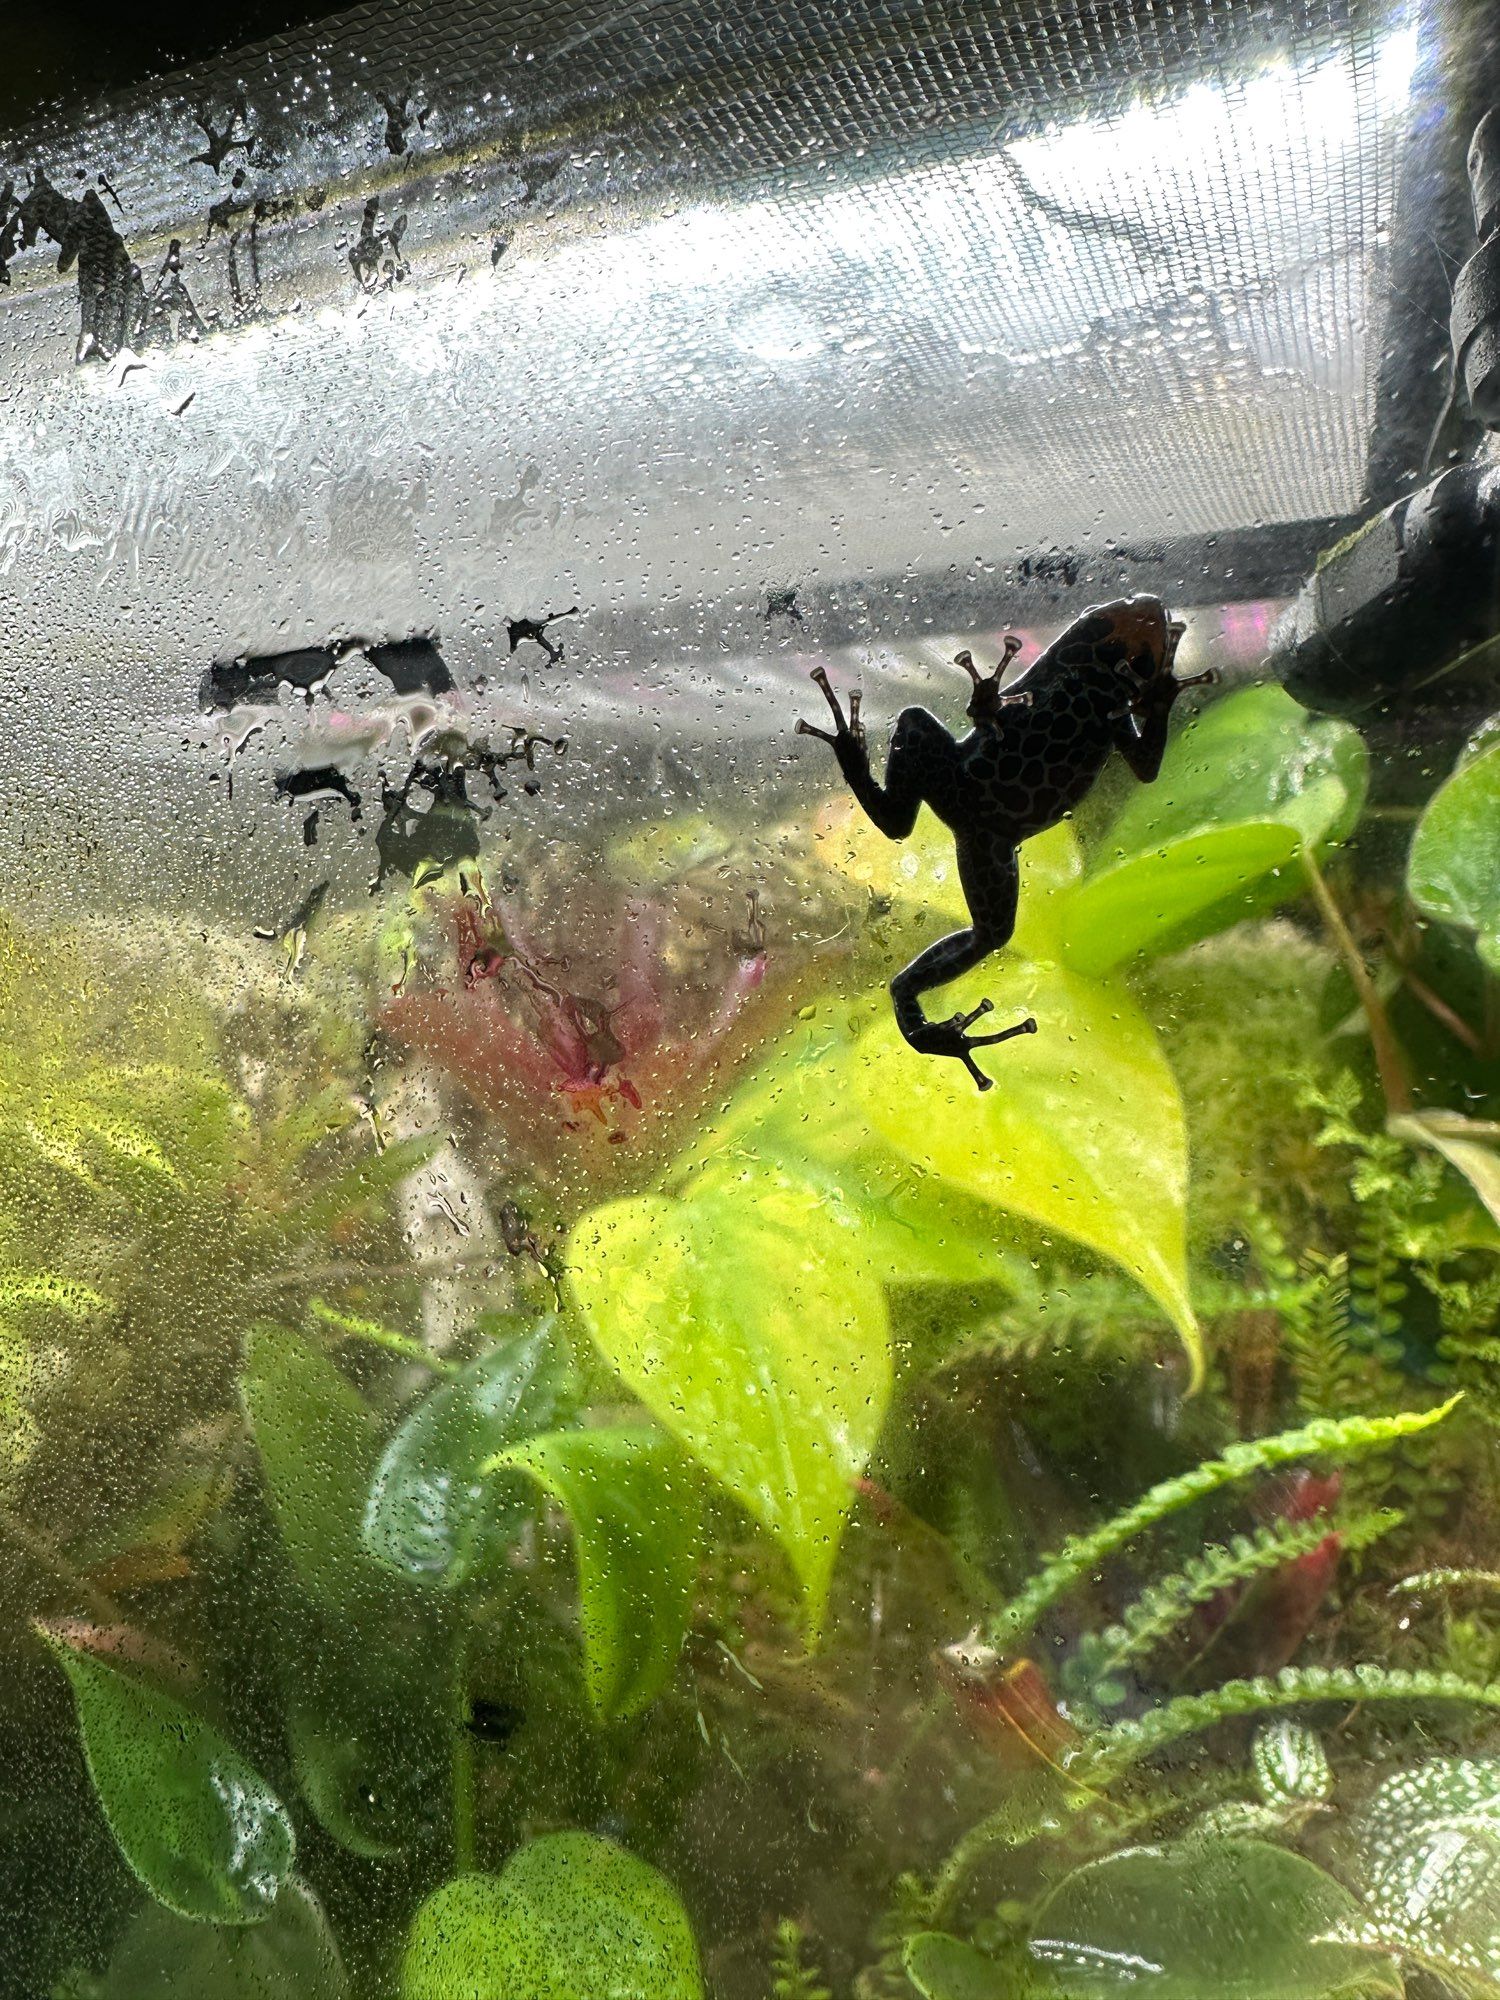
(634, 1507)
(572, 1917)
(1212, 841)
(754, 1330)
(1084, 1134)
(290, 1956)
(431, 1514)
(799, 1115)
(1454, 869)
(199, 1826)
(1205, 1920)
(922, 871)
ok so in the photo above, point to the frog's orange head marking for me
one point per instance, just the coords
(1139, 637)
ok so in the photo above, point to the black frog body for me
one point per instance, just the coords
(1036, 747)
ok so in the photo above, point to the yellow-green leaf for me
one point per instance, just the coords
(1084, 1132)
(753, 1329)
(1171, 896)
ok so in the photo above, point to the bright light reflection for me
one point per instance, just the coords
(1268, 154)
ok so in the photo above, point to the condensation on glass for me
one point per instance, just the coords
(544, 1450)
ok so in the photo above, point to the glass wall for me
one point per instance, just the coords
(559, 1436)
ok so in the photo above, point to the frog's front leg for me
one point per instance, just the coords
(991, 877)
(921, 766)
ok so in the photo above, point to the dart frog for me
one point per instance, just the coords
(1106, 683)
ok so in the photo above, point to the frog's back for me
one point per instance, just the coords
(1039, 763)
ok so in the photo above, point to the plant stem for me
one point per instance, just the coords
(354, 1328)
(465, 1810)
(99, 1603)
(464, 1849)
(1389, 1060)
(1004, 1827)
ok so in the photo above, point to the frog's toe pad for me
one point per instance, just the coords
(947, 1038)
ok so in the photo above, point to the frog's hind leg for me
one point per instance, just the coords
(990, 874)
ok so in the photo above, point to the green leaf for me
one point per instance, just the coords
(1173, 895)
(941, 1967)
(369, 1720)
(1211, 842)
(1051, 867)
(756, 1333)
(1426, 1860)
(1206, 1920)
(571, 1918)
(922, 870)
(317, 1446)
(635, 1512)
(199, 1826)
(799, 1115)
(430, 1513)
(289, 1956)
(1454, 869)
(1085, 1133)
(1257, 756)
(1465, 1143)
(1290, 1763)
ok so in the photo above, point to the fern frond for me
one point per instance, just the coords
(1114, 1750)
(1270, 1249)
(1448, 1579)
(1161, 1608)
(1315, 1323)
(1377, 1288)
(792, 1978)
(1325, 1438)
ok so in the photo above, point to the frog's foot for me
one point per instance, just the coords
(846, 731)
(947, 1038)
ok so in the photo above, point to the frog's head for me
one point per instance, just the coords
(1132, 636)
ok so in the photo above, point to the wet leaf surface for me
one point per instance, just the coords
(290, 1956)
(755, 1331)
(1427, 1864)
(1205, 1920)
(431, 1514)
(1454, 869)
(571, 1918)
(1255, 757)
(1171, 896)
(1085, 1132)
(200, 1827)
(317, 1444)
(634, 1507)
